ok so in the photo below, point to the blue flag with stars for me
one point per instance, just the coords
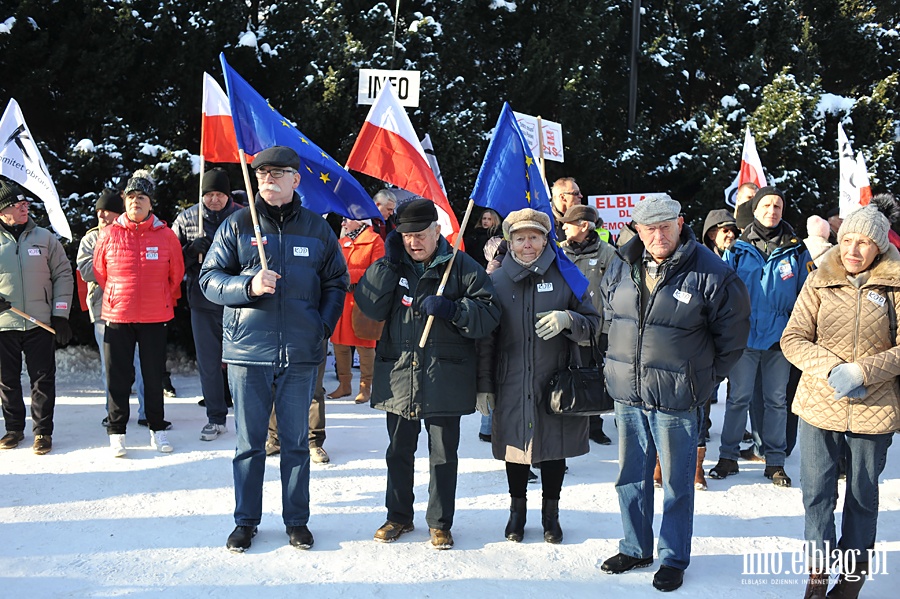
(324, 185)
(510, 180)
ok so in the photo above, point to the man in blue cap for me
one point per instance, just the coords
(274, 324)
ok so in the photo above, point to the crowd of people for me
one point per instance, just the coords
(803, 333)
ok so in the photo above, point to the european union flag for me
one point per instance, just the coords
(510, 180)
(324, 184)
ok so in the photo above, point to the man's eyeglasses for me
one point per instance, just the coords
(277, 173)
(574, 194)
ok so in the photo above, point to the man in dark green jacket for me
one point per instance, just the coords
(435, 383)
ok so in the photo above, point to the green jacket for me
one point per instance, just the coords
(439, 379)
(35, 277)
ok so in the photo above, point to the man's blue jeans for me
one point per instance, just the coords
(866, 458)
(643, 433)
(774, 370)
(254, 389)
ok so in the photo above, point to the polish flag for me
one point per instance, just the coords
(853, 189)
(751, 170)
(388, 148)
(217, 139)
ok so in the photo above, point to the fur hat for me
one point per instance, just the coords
(526, 218)
(111, 200)
(10, 193)
(816, 226)
(656, 208)
(870, 222)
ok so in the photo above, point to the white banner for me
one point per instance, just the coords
(405, 84)
(615, 210)
(21, 162)
(552, 133)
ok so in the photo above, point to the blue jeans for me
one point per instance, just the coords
(674, 435)
(774, 370)
(486, 423)
(866, 458)
(254, 389)
(99, 330)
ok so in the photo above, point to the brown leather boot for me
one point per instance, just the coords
(366, 368)
(342, 363)
(657, 474)
(849, 585)
(699, 479)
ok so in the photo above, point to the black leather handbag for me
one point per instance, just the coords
(578, 390)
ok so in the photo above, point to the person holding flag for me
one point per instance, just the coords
(281, 301)
(35, 281)
(434, 383)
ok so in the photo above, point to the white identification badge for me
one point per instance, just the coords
(152, 253)
(348, 244)
(62, 305)
(682, 296)
(404, 282)
(784, 269)
(34, 251)
(544, 287)
(876, 299)
(301, 251)
(592, 262)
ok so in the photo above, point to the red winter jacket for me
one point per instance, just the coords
(140, 267)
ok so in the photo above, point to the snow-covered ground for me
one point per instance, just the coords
(80, 523)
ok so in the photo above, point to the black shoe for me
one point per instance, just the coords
(300, 536)
(485, 438)
(751, 456)
(620, 563)
(532, 477)
(724, 469)
(167, 426)
(240, 538)
(550, 521)
(105, 422)
(202, 403)
(747, 438)
(778, 476)
(599, 437)
(668, 578)
(229, 403)
(515, 527)
(11, 439)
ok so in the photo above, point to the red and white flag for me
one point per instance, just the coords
(853, 189)
(217, 139)
(751, 170)
(862, 178)
(388, 148)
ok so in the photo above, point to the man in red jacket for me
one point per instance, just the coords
(139, 265)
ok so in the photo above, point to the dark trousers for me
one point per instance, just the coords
(443, 442)
(792, 419)
(118, 344)
(552, 474)
(38, 346)
(206, 326)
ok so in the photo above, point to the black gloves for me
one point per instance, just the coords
(393, 248)
(200, 246)
(4, 305)
(439, 307)
(63, 330)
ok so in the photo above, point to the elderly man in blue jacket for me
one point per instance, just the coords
(275, 322)
(679, 321)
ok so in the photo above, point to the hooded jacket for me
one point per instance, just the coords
(139, 267)
(834, 322)
(694, 329)
(713, 220)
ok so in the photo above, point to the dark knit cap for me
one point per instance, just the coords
(763, 192)
(215, 180)
(10, 193)
(111, 200)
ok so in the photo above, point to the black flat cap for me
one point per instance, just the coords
(416, 216)
(282, 156)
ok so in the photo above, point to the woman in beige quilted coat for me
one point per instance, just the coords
(843, 335)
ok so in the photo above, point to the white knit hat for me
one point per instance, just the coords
(870, 222)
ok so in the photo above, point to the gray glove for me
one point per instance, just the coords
(845, 378)
(858, 393)
(485, 402)
(552, 323)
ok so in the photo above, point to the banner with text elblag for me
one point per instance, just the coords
(615, 210)
(552, 133)
(405, 83)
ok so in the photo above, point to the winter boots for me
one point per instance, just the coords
(366, 369)
(550, 521)
(515, 528)
(342, 363)
(657, 474)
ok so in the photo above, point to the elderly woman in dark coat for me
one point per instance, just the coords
(542, 322)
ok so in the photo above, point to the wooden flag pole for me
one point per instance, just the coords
(540, 128)
(32, 319)
(253, 216)
(446, 276)
(200, 204)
